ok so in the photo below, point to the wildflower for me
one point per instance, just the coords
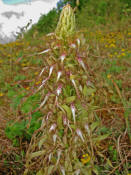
(51, 69)
(36, 73)
(79, 133)
(92, 94)
(73, 46)
(53, 127)
(123, 50)
(81, 63)
(27, 88)
(109, 76)
(38, 82)
(73, 112)
(58, 76)
(59, 89)
(87, 129)
(62, 170)
(58, 155)
(45, 99)
(112, 45)
(62, 57)
(54, 138)
(1, 61)
(42, 71)
(77, 172)
(78, 42)
(1, 94)
(85, 158)
(123, 54)
(45, 51)
(49, 157)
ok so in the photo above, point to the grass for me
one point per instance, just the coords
(102, 128)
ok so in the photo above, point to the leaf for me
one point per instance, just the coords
(36, 154)
(99, 138)
(88, 91)
(94, 125)
(59, 120)
(42, 141)
(70, 99)
(40, 172)
(50, 169)
(109, 163)
(68, 111)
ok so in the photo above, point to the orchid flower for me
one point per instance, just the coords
(73, 82)
(45, 99)
(59, 89)
(87, 129)
(62, 57)
(62, 170)
(49, 157)
(45, 51)
(58, 155)
(58, 76)
(51, 69)
(47, 117)
(42, 71)
(43, 83)
(79, 133)
(82, 63)
(77, 172)
(73, 110)
(78, 42)
(73, 45)
(53, 127)
(54, 138)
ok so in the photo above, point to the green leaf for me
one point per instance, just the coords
(88, 91)
(70, 99)
(99, 138)
(94, 125)
(59, 120)
(36, 154)
(68, 111)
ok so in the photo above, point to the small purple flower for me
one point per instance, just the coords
(73, 46)
(79, 133)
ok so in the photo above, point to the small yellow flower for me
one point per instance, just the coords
(110, 55)
(129, 174)
(23, 64)
(27, 88)
(112, 45)
(1, 94)
(109, 76)
(123, 54)
(1, 61)
(85, 158)
(36, 73)
(38, 82)
(123, 50)
(92, 94)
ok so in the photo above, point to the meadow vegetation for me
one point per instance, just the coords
(65, 105)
